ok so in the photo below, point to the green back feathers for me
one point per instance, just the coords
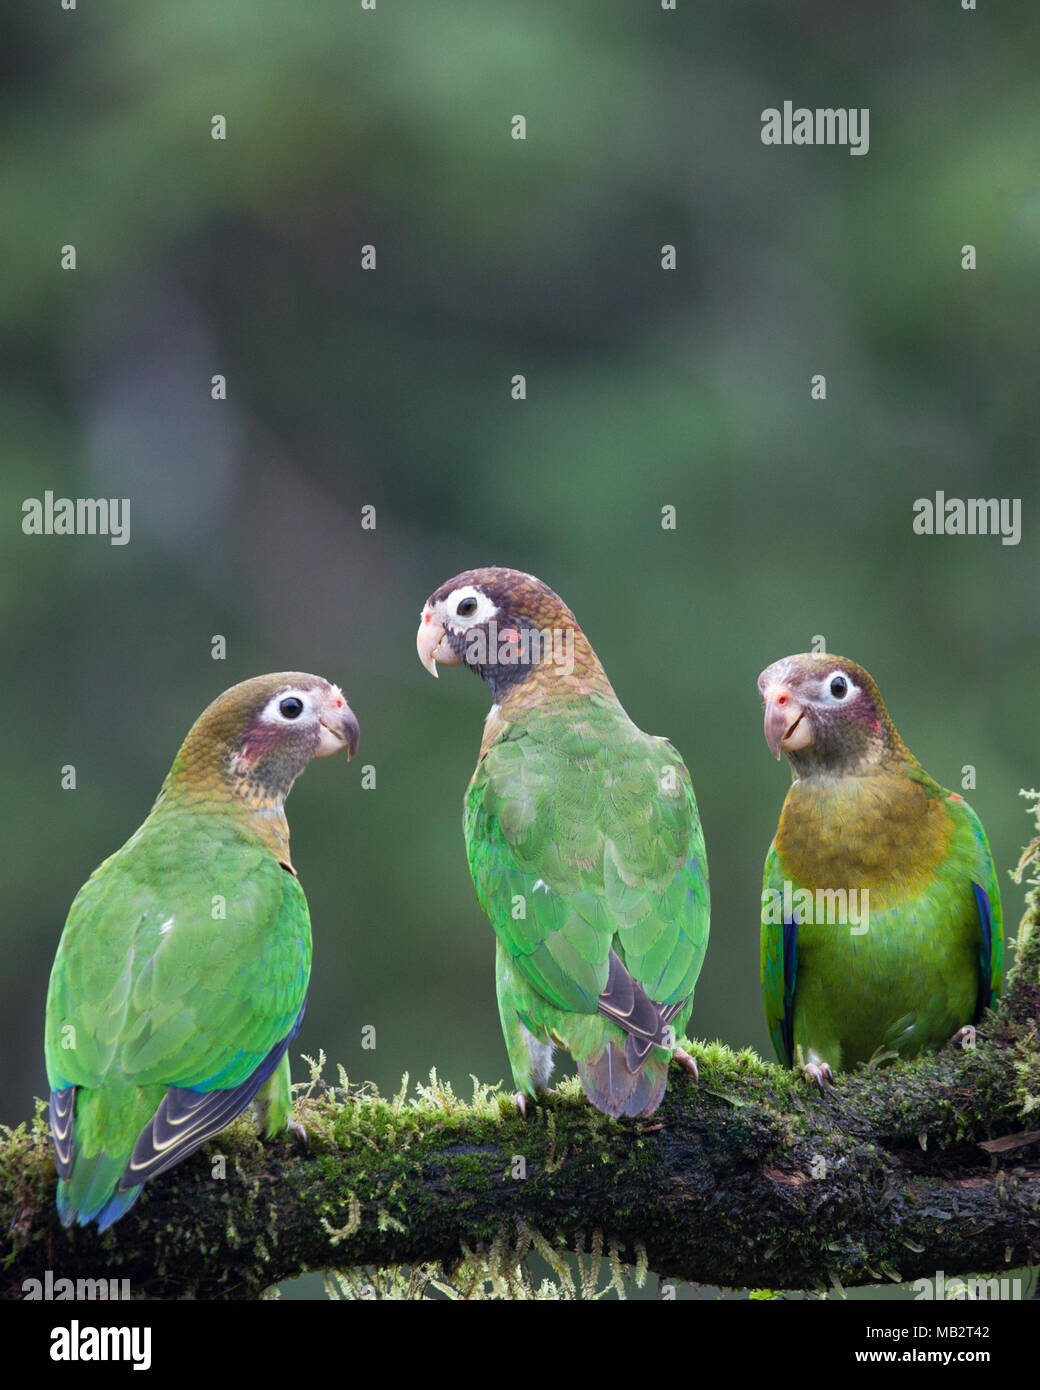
(583, 840)
(579, 827)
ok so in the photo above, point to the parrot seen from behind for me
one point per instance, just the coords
(919, 954)
(181, 975)
(584, 844)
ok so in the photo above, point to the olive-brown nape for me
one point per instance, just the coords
(525, 605)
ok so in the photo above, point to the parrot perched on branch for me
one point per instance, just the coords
(881, 922)
(584, 844)
(181, 975)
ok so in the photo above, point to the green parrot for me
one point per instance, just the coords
(881, 923)
(584, 844)
(181, 975)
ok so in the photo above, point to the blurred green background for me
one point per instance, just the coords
(392, 388)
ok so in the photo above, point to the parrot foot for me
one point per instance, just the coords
(817, 1074)
(526, 1105)
(687, 1063)
(965, 1037)
(301, 1134)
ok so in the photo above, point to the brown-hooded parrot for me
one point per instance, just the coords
(181, 975)
(584, 844)
(881, 922)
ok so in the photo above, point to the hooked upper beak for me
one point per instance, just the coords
(786, 725)
(339, 727)
(432, 644)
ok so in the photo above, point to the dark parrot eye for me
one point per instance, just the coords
(291, 707)
(839, 685)
(466, 607)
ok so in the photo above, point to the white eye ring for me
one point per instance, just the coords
(828, 695)
(484, 610)
(272, 711)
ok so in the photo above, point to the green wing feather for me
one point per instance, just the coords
(778, 966)
(583, 838)
(978, 864)
(184, 961)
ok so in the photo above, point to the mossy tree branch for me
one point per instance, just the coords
(747, 1179)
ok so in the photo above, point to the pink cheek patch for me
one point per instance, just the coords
(243, 758)
(954, 797)
(259, 740)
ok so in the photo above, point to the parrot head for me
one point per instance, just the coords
(825, 713)
(254, 740)
(505, 625)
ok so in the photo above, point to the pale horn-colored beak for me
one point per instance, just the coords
(339, 727)
(786, 725)
(432, 644)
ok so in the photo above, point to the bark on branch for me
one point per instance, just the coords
(746, 1179)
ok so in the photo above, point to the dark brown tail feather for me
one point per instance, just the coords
(617, 1089)
(626, 1002)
